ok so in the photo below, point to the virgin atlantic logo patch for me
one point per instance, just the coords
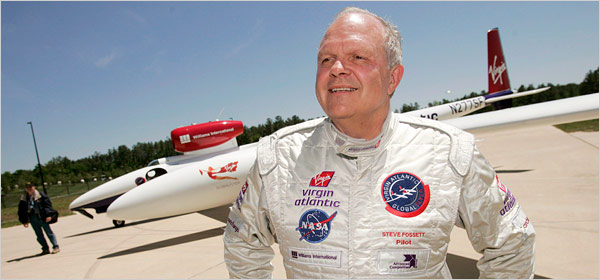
(322, 179)
(404, 194)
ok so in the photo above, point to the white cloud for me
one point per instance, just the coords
(105, 60)
(137, 17)
(253, 35)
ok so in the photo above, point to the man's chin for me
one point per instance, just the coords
(339, 116)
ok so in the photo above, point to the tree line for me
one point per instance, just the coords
(121, 160)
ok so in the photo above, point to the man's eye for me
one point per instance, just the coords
(325, 60)
(358, 57)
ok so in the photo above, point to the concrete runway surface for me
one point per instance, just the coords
(554, 176)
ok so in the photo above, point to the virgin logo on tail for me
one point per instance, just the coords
(497, 68)
(497, 71)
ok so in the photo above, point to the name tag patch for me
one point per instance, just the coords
(316, 257)
(403, 261)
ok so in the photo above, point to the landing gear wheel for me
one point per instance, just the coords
(118, 223)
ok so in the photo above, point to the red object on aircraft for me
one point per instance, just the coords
(205, 135)
(497, 74)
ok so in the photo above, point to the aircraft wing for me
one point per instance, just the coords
(193, 189)
(566, 110)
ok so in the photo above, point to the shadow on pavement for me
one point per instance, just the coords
(513, 171)
(126, 225)
(169, 242)
(218, 213)
(27, 257)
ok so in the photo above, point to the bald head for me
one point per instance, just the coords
(391, 36)
(355, 78)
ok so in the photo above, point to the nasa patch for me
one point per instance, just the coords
(314, 225)
(404, 194)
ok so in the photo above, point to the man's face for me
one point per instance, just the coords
(30, 190)
(353, 79)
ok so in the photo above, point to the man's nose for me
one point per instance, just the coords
(338, 69)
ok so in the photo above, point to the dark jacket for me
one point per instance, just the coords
(42, 206)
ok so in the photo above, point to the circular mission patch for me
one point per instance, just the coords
(314, 225)
(405, 194)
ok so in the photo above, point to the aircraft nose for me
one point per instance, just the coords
(119, 209)
(109, 189)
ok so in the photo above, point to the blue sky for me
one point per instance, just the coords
(95, 75)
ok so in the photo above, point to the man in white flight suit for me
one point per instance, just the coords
(366, 193)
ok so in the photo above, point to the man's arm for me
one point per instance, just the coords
(248, 237)
(46, 206)
(45, 200)
(496, 224)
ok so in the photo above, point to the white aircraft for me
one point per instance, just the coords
(213, 168)
(198, 143)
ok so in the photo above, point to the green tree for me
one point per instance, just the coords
(410, 107)
(590, 82)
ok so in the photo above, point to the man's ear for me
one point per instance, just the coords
(395, 77)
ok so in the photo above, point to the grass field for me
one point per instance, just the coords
(63, 195)
(61, 204)
(588, 126)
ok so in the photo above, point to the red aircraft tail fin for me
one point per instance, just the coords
(497, 73)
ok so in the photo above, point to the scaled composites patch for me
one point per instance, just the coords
(403, 261)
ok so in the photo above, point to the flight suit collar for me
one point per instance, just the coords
(353, 147)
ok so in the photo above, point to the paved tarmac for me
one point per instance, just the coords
(554, 176)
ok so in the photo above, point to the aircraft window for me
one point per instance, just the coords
(154, 162)
(154, 173)
(139, 181)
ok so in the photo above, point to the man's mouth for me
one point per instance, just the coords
(335, 90)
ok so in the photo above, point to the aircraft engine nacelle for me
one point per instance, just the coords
(205, 135)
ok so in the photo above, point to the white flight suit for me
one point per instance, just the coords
(346, 208)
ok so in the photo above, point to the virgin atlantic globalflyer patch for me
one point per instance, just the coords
(404, 194)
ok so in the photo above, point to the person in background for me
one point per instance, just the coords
(34, 209)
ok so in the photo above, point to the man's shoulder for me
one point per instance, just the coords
(293, 133)
(287, 136)
(297, 129)
(461, 143)
(437, 126)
